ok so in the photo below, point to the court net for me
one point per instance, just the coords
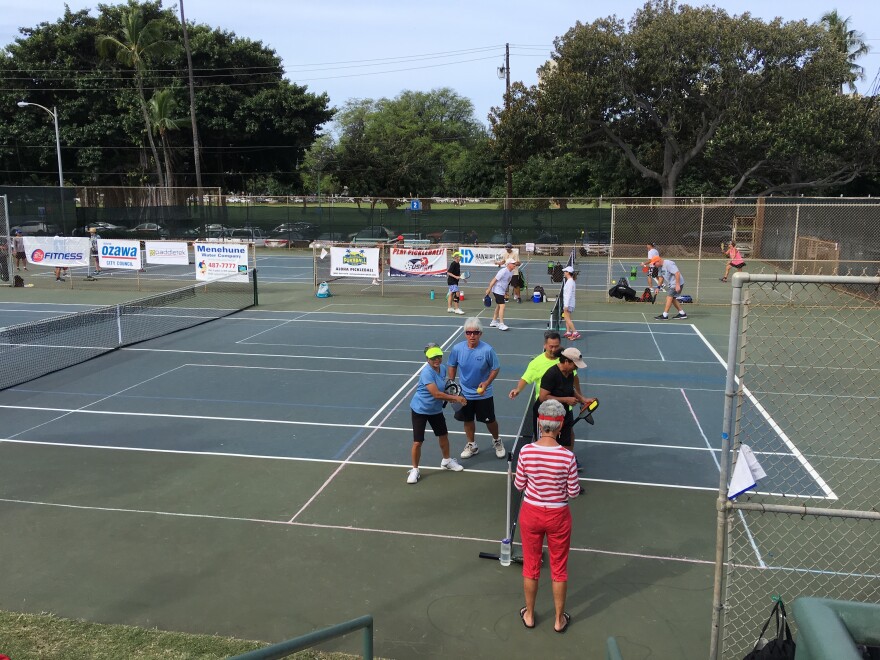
(31, 350)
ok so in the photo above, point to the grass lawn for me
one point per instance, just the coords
(47, 637)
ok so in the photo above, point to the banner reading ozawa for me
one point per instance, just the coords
(414, 262)
(119, 254)
(354, 262)
(216, 260)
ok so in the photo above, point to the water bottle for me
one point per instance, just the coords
(432, 294)
(504, 557)
(632, 273)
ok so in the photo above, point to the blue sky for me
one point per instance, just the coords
(378, 49)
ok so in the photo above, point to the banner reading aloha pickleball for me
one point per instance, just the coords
(216, 260)
(486, 256)
(354, 262)
(415, 262)
(57, 251)
(167, 252)
(119, 254)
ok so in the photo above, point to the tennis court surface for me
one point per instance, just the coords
(246, 477)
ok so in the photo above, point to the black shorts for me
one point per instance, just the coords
(654, 272)
(739, 265)
(483, 410)
(516, 282)
(499, 298)
(21, 255)
(420, 421)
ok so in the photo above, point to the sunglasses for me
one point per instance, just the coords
(473, 332)
(436, 357)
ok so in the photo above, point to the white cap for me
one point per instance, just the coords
(575, 356)
(568, 269)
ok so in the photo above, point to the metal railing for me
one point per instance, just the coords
(291, 646)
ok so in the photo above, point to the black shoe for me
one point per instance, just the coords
(680, 315)
(662, 318)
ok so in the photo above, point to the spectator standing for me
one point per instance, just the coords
(453, 276)
(479, 366)
(675, 283)
(568, 302)
(546, 473)
(93, 248)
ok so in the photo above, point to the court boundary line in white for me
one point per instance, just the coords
(769, 419)
(278, 325)
(648, 325)
(346, 528)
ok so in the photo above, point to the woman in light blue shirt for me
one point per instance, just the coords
(427, 408)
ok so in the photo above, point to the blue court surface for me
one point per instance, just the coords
(326, 386)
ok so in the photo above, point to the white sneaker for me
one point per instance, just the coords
(377, 282)
(470, 449)
(501, 326)
(413, 476)
(449, 310)
(458, 311)
(500, 451)
(451, 464)
(493, 324)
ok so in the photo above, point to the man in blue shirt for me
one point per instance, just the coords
(479, 366)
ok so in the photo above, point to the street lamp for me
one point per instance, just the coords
(54, 113)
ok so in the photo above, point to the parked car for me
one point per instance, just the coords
(149, 230)
(377, 234)
(35, 228)
(596, 243)
(305, 229)
(547, 243)
(502, 238)
(328, 238)
(452, 237)
(713, 235)
(250, 234)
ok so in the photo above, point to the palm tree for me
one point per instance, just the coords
(161, 106)
(192, 105)
(140, 41)
(850, 42)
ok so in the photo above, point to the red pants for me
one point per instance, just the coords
(535, 522)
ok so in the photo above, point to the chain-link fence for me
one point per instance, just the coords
(803, 367)
(7, 249)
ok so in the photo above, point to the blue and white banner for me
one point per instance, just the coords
(486, 256)
(221, 260)
(113, 253)
(57, 251)
(354, 262)
(167, 252)
(415, 262)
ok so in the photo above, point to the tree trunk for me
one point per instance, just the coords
(192, 107)
(148, 125)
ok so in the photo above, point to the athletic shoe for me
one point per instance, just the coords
(574, 335)
(519, 300)
(660, 317)
(451, 464)
(567, 335)
(506, 298)
(470, 449)
(501, 326)
(722, 279)
(458, 311)
(493, 324)
(450, 310)
(680, 315)
(377, 282)
(500, 451)
(413, 476)
(60, 279)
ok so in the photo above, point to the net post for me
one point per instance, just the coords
(256, 290)
(119, 323)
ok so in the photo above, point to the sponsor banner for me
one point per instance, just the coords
(415, 262)
(486, 256)
(114, 253)
(57, 251)
(354, 262)
(216, 260)
(167, 252)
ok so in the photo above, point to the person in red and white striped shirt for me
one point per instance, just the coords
(546, 472)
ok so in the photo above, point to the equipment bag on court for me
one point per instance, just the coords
(623, 291)
(782, 646)
(323, 290)
(539, 291)
(18, 281)
(685, 299)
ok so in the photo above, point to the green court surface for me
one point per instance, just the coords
(247, 478)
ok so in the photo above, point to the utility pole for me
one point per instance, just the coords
(507, 202)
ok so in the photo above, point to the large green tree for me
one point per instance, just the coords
(663, 88)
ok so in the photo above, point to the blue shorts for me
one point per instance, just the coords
(453, 288)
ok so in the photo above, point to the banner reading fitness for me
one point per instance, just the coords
(57, 251)
(415, 262)
(486, 256)
(216, 260)
(354, 262)
(119, 254)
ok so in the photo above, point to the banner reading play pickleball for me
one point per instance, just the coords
(57, 251)
(486, 256)
(216, 260)
(414, 262)
(167, 252)
(354, 262)
(119, 254)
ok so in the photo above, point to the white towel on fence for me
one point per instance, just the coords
(746, 473)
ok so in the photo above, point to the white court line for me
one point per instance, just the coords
(647, 323)
(718, 465)
(269, 355)
(346, 528)
(275, 327)
(868, 337)
(782, 435)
